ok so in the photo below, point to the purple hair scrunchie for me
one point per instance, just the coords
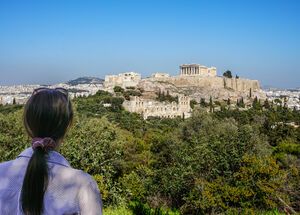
(46, 143)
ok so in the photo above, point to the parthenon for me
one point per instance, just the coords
(197, 70)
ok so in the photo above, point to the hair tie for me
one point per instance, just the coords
(46, 143)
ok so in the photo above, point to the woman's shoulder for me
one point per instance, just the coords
(5, 166)
(72, 176)
(70, 182)
(62, 170)
(83, 177)
(11, 166)
(11, 174)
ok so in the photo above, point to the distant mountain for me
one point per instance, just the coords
(86, 80)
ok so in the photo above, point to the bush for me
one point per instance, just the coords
(227, 162)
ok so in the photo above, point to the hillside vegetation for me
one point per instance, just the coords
(227, 162)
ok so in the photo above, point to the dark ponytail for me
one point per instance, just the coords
(47, 114)
(35, 183)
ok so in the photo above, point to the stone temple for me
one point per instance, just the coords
(197, 70)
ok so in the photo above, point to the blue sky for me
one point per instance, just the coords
(50, 41)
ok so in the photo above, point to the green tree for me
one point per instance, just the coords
(211, 106)
(227, 74)
(13, 138)
(256, 104)
(225, 162)
(202, 102)
(228, 101)
(193, 102)
(278, 101)
(118, 89)
(240, 102)
(267, 104)
(98, 147)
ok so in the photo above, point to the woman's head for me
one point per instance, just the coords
(48, 113)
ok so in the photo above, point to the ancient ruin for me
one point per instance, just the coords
(197, 70)
(124, 80)
(193, 82)
(149, 107)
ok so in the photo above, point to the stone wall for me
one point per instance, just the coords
(219, 88)
(149, 107)
(212, 82)
(128, 79)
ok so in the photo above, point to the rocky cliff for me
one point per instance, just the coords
(219, 88)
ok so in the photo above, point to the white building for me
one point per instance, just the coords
(128, 79)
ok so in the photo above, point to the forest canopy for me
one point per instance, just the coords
(229, 161)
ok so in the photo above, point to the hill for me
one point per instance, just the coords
(86, 80)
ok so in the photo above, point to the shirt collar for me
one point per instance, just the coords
(53, 157)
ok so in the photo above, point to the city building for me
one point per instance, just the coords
(288, 98)
(19, 94)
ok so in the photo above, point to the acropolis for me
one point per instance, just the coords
(197, 70)
(194, 81)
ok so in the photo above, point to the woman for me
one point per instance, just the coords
(40, 180)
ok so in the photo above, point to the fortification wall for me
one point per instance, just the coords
(242, 84)
(212, 82)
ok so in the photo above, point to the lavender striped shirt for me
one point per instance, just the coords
(70, 191)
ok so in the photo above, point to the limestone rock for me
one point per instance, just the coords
(219, 88)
